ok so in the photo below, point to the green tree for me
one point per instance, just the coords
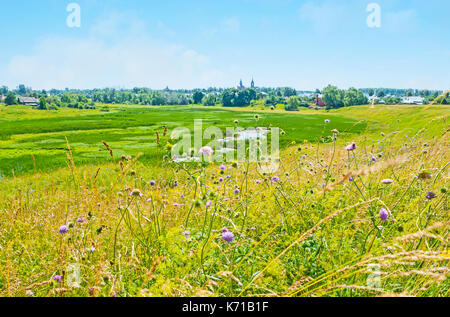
(198, 96)
(42, 104)
(209, 100)
(11, 98)
(293, 103)
(333, 97)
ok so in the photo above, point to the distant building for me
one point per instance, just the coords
(29, 101)
(253, 83)
(241, 86)
(415, 100)
(319, 102)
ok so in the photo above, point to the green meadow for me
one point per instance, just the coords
(36, 140)
(359, 212)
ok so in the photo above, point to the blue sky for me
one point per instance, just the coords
(199, 43)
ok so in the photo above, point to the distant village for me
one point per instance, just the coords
(241, 96)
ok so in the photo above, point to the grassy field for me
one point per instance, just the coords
(372, 221)
(129, 130)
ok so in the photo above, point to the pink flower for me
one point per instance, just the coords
(351, 147)
(206, 150)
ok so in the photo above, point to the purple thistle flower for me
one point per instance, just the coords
(237, 191)
(208, 204)
(149, 200)
(275, 179)
(175, 184)
(374, 159)
(327, 121)
(186, 234)
(228, 176)
(387, 181)
(350, 179)
(430, 195)
(57, 278)
(206, 150)
(63, 229)
(152, 183)
(81, 220)
(384, 214)
(351, 147)
(225, 229)
(221, 179)
(258, 182)
(223, 167)
(228, 236)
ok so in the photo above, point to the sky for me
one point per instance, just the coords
(211, 43)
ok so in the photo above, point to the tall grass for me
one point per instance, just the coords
(316, 232)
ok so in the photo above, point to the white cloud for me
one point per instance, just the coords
(117, 53)
(323, 17)
(401, 21)
(231, 25)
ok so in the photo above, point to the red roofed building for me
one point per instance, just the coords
(319, 102)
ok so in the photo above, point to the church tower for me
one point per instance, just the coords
(241, 86)
(253, 83)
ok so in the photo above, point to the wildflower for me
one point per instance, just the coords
(430, 195)
(186, 234)
(221, 179)
(374, 159)
(224, 230)
(57, 278)
(208, 204)
(350, 179)
(237, 191)
(384, 214)
(425, 151)
(228, 176)
(236, 121)
(335, 131)
(206, 150)
(223, 167)
(258, 182)
(327, 121)
(63, 229)
(382, 134)
(387, 181)
(177, 205)
(175, 184)
(228, 236)
(275, 179)
(152, 183)
(424, 176)
(351, 147)
(81, 220)
(149, 200)
(136, 192)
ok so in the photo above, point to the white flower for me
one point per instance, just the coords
(206, 150)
